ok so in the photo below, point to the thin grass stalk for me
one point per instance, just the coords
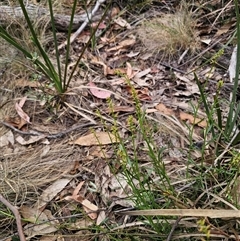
(53, 74)
(219, 121)
(234, 93)
(65, 82)
(93, 39)
(231, 114)
(157, 163)
(206, 105)
(86, 45)
(56, 43)
(13, 42)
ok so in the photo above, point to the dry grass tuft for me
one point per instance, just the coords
(170, 34)
(26, 171)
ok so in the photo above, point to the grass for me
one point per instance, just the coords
(153, 169)
(170, 34)
(55, 71)
(153, 184)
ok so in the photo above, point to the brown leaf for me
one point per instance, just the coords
(50, 192)
(130, 72)
(120, 109)
(98, 138)
(224, 29)
(182, 115)
(21, 113)
(193, 120)
(31, 140)
(77, 189)
(6, 139)
(48, 238)
(26, 83)
(99, 93)
(87, 205)
(101, 217)
(124, 43)
(122, 23)
(143, 94)
(98, 151)
(43, 226)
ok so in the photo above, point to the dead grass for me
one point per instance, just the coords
(27, 169)
(31, 168)
(170, 34)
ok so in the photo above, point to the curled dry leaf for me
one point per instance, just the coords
(130, 73)
(123, 44)
(101, 217)
(122, 23)
(21, 113)
(87, 205)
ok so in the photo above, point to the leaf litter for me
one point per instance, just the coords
(67, 174)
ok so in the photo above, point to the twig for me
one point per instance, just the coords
(17, 216)
(84, 24)
(173, 228)
(53, 136)
(192, 61)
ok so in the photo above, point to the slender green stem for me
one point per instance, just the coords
(56, 44)
(53, 74)
(66, 83)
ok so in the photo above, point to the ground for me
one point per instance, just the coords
(131, 132)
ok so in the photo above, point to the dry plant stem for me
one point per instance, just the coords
(226, 149)
(17, 216)
(173, 68)
(74, 108)
(210, 213)
(192, 61)
(84, 24)
(169, 238)
(80, 113)
(53, 136)
(221, 12)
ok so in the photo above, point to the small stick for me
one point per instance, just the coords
(84, 24)
(17, 216)
(53, 136)
(173, 228)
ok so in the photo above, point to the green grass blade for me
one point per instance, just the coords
(233, 114)
(55, 43)
(13, 42)
(87, 44)
(204, 99)
(219, 112)
(66, 83)
(54, 76)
